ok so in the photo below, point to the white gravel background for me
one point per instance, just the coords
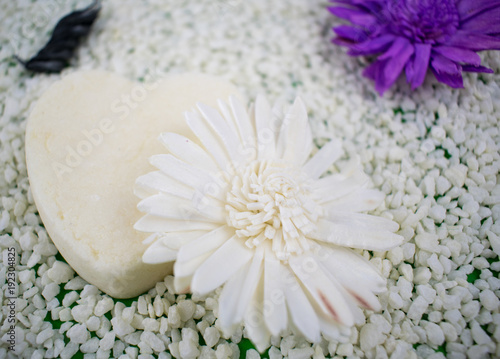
(434, 152)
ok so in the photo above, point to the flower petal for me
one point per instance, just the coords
(359, 287)
(220, 266)
(301, 311)
(227, 136)
(159, 253)
(471, 9)
(255, 324)
(274, 296)
(229, 299)
(389, 65)
(484, 69)
(243, 122)
(150, 223)
(295, 138)
(474, 42)
(339, 261)
(172, 207)
(175, 240)
(416, 69)
(324, 291)
(350, 33)
(333, 187)
(209, 140)
(154, 182)
(362, 200)
(194, 177)
(372, 46)
(266, 135)
(188, 151)
(447, 71)
(483, 23)
(354, 16)
(458, 55)
(347, 236)
(249, 282)
(228, 116)
(205, 244)
(330, 330)
(362, 220)
(323, 159)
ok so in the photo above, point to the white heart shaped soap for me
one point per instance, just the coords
(87, 140)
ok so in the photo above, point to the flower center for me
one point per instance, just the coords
(423, 21)
(268, 200)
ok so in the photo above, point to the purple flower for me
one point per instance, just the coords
(414, 35)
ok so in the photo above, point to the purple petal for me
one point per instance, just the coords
(484, 69)
(372, 46)
(474, 42)
(484, 23)
(356, 17)
(417, 68)
(459, 55)
(385, 73)
(468, 9)
(351, 33)
(447, 71)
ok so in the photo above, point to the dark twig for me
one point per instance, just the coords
(55, 55)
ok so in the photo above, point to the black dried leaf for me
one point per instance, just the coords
(65, 38)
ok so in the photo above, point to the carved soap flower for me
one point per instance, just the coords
(414, 35)
(245, 208)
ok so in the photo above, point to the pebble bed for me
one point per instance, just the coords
(434, 152)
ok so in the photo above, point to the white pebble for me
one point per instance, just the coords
(78, 333)
(252, 354)
(188, 349)
(417, 308)
(370, 337)
(211, 336)
(107, 342)
(302, 353)
(60, 272)
(489, 300)
(90, 346)
(50, 291)
(103, 306)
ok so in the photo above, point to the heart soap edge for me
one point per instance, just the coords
(114, 267)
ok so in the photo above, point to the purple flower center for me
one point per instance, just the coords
(424, 21)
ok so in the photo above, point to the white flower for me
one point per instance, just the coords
(247, 210)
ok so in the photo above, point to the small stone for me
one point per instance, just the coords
(435, 334)
(438, 213)
(81, 313)
(90, 346)
(107, 342)
(302, 353)
(103, 306)
(93, 323)
(78, 334)
(153, 341)
(186, 309)
(344, 349)
(370, 337)
(151, 325)
(417, 308)
(50, 291)
(188, 349)
(252, 354)
(422, 275)
(60, 272)
(211, 336)
(489, 300)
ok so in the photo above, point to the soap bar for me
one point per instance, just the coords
(87, 140)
